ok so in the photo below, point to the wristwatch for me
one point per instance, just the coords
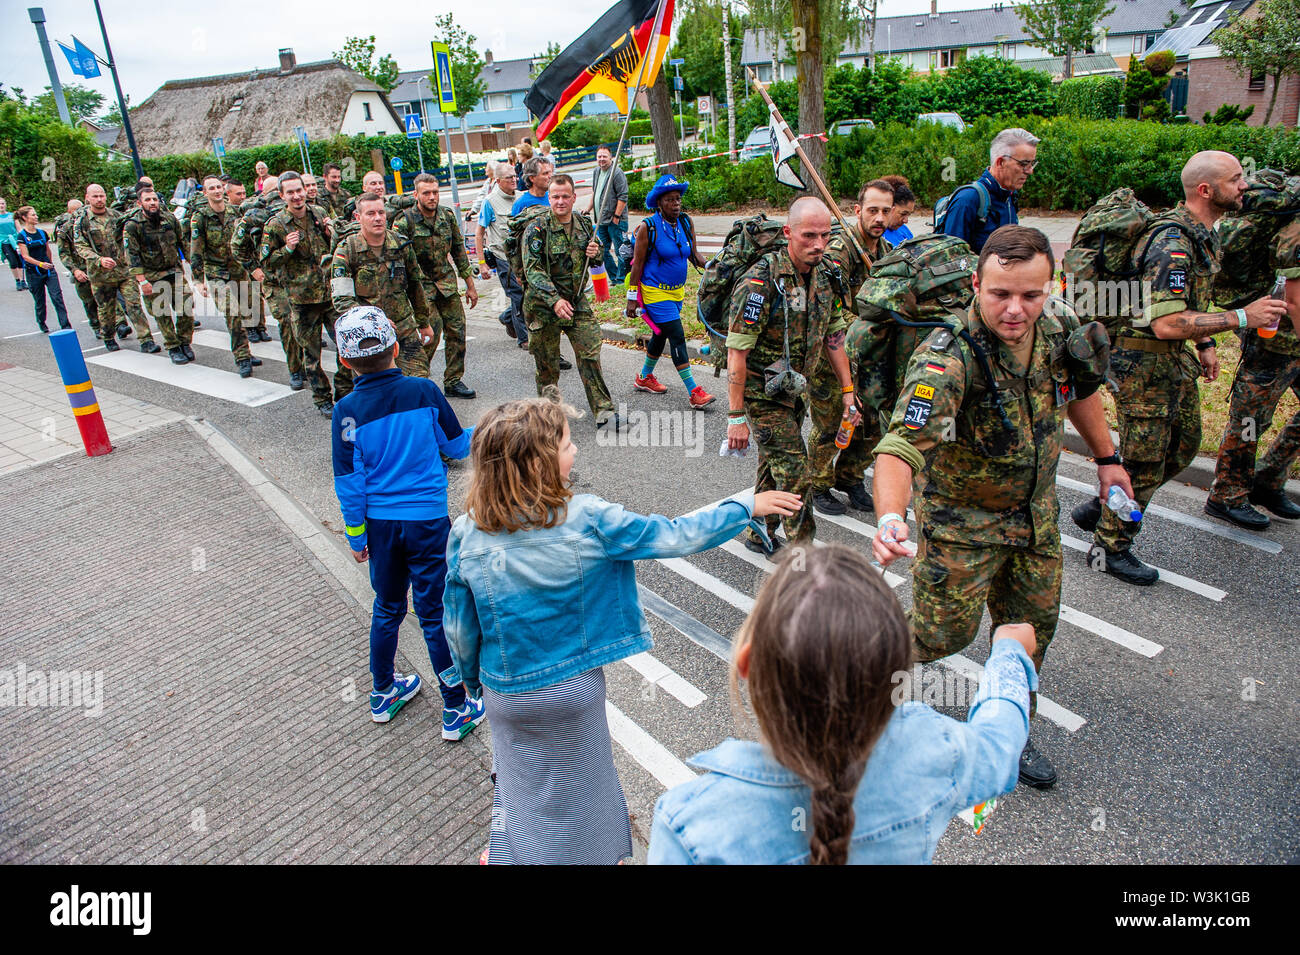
(1109, 459)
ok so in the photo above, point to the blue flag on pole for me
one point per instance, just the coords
(74, 60)
(89, 63)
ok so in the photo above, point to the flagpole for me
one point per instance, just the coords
(808, 168)
(121, 100)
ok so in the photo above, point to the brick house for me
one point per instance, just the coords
(1204, 80)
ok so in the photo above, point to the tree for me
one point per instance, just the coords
(1267, 43)
(807, 36)
(83, 102)
(867, 13)
(1063, 26)
(542, 60)
(662, 127)
(699, 43)
(1144, 88)
(466, 63)
(358, 54)
(114, 115)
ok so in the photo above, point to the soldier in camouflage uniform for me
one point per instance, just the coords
(66, 239)
(130, 196)
(153, 245)
(558, 248)
(99, 246)
(984, 457)
(376, 267)
(845, 471)
(254, 214)
(332, 197)
(217, 271)
(1269, 367)
(1157, 401)
(293, 244)
(434, 233)
(785, 312)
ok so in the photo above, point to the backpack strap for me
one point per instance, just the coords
(982, 208)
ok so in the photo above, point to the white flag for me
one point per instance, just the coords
(782, 150)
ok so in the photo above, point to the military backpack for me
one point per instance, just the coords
(1271, 202)
(748, 241)
(1108, 246)
(921, 284)
(513, 243)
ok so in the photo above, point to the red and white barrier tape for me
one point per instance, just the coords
(725, 152)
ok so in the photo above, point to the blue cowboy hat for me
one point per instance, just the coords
(667, 183)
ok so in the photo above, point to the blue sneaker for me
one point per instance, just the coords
(384, 706)
(457, 724)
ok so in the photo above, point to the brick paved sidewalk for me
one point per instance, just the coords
(226, 650)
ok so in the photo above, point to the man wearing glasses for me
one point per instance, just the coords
(977, 210)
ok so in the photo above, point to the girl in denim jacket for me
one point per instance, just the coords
(541, 593)
(848, 771)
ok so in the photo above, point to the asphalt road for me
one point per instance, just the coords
(1178, 743)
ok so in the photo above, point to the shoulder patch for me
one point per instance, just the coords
(936, 368)
(753, 307)
(1178, 280)
(917, 412)
(942, 339)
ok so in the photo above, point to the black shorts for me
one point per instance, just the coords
(11, 256)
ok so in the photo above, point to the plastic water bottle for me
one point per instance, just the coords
(845, 434)
(1122, 504)
(1279, 293)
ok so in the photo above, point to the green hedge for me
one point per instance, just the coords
(43, 162)
(1079, 160)
(716, 183)
(587, 131)
(1090, 97)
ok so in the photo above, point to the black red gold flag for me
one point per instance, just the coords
(606, 59)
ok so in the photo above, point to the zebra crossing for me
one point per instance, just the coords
(706, 594)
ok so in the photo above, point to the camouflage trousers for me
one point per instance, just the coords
(829, 466)
(776, 430)
(447, 319)
(225, 295)
(107, 305)
(1263, 377)
(309, 320)
(87, 295)
(1159, 409)
(952, 583)
(584, 336)
(172, 307)
(277, 303)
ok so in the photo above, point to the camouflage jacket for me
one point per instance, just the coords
(67, 242)
(333, 202)
(300, 267)
(255, 213)
(153, 251)
(1236, 233)
(387, 277)
(1286, 260)
(554, 266)
(981, 483)
(210, 253)
(1179, 272)
(126, 201)
(772, 293)
(436, 244)
(96, 238)
(842, 255)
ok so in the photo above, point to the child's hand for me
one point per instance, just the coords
(1022, 633)
(363, 555)
(776, 502)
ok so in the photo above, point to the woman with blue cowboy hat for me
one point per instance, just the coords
(665, 243)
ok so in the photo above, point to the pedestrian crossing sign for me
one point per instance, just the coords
(413, 129)
(442, 78)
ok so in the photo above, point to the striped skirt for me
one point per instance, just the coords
(558, 799)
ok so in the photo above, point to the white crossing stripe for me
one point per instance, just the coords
(226, 385)
(1110, 632)
(267, 351)
(1187, 520)
(656, 672)
(1046, 708)
(1166, 576)
(652, 755)
(710, 583)
(737, 549)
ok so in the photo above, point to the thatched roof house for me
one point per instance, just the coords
(260, 107)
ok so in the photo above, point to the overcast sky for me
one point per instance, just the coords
(156, 42)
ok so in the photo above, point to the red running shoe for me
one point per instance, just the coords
(699, 397)
(650, 383)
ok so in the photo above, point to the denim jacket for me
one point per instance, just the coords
(531, 609)
(926, 767)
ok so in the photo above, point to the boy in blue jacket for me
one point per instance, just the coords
(388, 434)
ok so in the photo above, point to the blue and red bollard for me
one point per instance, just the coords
(81, 393)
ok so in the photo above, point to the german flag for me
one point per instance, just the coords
(606, 59)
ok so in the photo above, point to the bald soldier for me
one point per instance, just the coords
(1158, 401)
(99, 247)
(63, 235)
(786, 323)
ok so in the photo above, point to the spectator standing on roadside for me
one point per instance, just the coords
(896, 229)
(610, 186)
(41, 277)
(489, 239)
(975, 211)
(537, 172)
(9, 245)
